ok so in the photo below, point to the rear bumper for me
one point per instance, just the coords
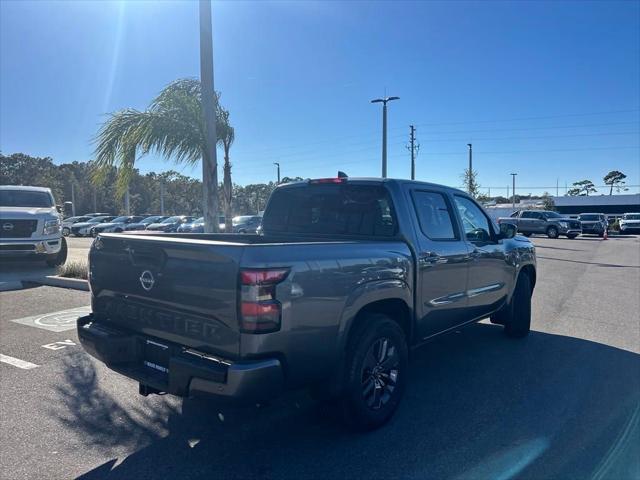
(190, 373)
(570, 231)
(29, 247)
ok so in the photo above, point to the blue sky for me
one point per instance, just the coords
(550, 90)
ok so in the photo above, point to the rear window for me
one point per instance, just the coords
(25, 198)
(589, 218)
(331, 209)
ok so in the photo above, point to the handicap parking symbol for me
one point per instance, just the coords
(56, 321)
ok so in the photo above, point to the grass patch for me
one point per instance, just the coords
(73, 270)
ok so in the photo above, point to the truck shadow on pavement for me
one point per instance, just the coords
(612, 265)
(478, 406)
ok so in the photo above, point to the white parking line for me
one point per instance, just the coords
(16, 362)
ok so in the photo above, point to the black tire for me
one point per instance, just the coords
(66, 231)
(571, 236)
(526, 234)
(118, 230)
(376, 372)
(552, 232)
(59, 258)
(517, 316)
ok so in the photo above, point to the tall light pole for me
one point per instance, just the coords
(470, 175)
(210, 158)
(513, 191)
(384, 102)
(278, 165)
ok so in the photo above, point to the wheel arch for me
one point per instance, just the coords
(392, 298)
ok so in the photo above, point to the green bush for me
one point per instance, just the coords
(74, 270)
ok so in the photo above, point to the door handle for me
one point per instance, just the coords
(428, 259)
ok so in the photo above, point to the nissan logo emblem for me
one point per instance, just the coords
(147, 280)
(7, 227)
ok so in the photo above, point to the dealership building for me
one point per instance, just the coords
(612, 205)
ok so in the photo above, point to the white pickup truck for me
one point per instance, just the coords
(30, 224)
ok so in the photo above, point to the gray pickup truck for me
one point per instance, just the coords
(544, 222)
(347, 276)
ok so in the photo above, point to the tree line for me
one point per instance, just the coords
(182, 194)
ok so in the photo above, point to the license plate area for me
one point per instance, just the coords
(156, 358)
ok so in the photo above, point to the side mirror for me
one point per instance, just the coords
(59, 208)
(507, 230)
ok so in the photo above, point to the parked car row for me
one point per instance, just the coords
(93, 224)
(553, 224)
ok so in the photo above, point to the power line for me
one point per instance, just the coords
(458, 152)
(517, 119)
(466, 122)
(372, 145)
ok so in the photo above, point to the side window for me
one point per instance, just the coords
(528, 215)
(434, 215)
(475, 223)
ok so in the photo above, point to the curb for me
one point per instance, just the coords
(63, 282)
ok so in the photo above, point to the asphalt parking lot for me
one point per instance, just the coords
(562, 403)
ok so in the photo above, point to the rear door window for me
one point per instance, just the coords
(434, 215)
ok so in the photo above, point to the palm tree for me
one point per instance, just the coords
(226, 136)
(172, 126)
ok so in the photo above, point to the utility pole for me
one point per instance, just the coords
(507, 197)
(513, 191)
(384, 102)
(557, 187)
(161, 197)
(412, 138)
(278, 165)
(470, 176)
(210, 158)
(73, 198)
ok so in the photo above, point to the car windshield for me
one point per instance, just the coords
(631, 216)
(97, 219)
(153, 219)
(120, 219)
(242, 219)
(199, 220)
(25, 198)
(172, 220)
(589, 218)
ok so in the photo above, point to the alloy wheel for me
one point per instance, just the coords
(379, 374)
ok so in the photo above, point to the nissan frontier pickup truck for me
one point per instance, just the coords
(345, 278)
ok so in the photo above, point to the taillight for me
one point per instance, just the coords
(260, 311)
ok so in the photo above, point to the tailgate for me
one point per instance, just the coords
(179, 290)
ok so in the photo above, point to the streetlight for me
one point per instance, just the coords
(470, 177)
(209, 160)
(278, 165)
(513, 191)
(384, 130)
